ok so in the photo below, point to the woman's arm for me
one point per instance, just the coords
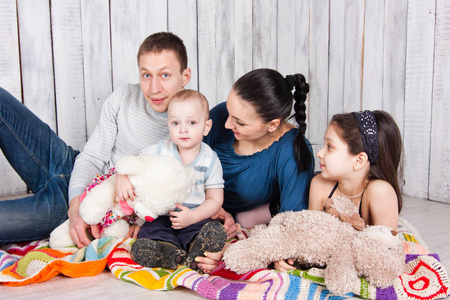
(294, 187)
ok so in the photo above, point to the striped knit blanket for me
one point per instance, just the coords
(20, 264)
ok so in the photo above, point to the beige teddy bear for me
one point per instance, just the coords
(320, 239)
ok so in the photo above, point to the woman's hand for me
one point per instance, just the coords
(78, 226)
(211, 261)
(228, 222)
(284, 265)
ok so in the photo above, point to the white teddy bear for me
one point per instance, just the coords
(159, 183)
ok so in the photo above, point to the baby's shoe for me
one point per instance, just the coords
(157, 254)
(212, 238)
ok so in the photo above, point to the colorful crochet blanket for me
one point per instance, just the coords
(20, 264)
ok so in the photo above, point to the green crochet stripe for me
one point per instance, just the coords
(364, 290)
(123, 276)
(306, 275)
(169, 279)
(161, 272)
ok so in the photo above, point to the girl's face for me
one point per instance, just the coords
(242, 119)
(335, 159)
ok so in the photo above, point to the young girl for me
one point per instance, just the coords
(360, 161)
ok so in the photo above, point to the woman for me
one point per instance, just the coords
(267, 162)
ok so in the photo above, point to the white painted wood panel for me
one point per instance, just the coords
(37, 66)
(96, 58)
(207, 50)
(439, 189)
(286, 37)
(183, 22)
(10, 81)
(243, 37)
(394, 58)
(131, 22)
(68, 68)
(390, 55)
(418, 96)
(225, 45)
(9, 49)
(353, 41)
(264, 34)
(372, 89)
(336, 58)
(302, 26)
(318, 95)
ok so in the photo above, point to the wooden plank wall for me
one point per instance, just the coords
(63, 58)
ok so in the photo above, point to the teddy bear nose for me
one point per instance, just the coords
(149, 219)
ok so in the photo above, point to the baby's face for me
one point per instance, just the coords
(187, 123)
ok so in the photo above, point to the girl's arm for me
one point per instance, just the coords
(319, 190)
(382, 205)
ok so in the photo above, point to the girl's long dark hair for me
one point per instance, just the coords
(390, 147)
(271, 96)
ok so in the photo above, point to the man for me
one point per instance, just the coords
(133, 117)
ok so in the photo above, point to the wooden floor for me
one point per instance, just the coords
(432, 219)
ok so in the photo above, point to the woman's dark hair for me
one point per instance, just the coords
(271, 96)
(390, 148)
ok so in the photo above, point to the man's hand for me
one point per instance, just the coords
(133, 231)
(77, 225)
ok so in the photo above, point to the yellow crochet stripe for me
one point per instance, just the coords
(153, 279)
(410, 238)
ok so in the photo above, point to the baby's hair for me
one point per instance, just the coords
(390, 146)
(191, 95)
(271, 96)
(160, 41)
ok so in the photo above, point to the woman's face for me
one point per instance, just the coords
(243, 120)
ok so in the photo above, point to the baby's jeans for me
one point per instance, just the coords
(160, 229)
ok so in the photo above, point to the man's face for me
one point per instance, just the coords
(160, 78)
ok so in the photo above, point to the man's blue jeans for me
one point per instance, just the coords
(44, 162)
